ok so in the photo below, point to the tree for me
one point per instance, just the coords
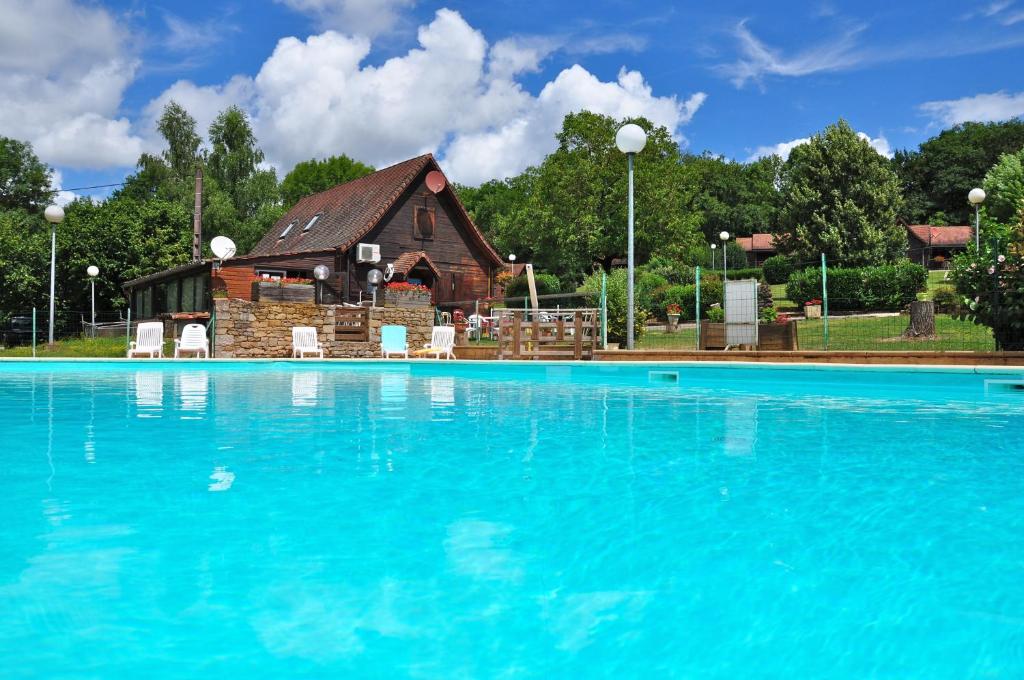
(570, 211)
(1004, 186)
(182, 154)
(312, 176)
(740, 198)
(841, 198)
(937, 177)
(489, 201)
(24, 179)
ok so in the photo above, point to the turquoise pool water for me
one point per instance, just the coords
(482, 521)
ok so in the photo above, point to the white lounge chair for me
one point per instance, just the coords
(304, 342)
(393, 341)
(193, 341)
(442, 341)
(149, 340)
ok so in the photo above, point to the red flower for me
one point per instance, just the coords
(406, 286)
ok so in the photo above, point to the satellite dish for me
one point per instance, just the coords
(321, 272)
(223, 248)
(374, 277)
(435, 181)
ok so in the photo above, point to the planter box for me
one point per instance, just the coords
(778, 337)
(288, 292)
(812, 311)
(406, 298)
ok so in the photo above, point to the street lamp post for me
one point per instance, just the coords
(630, 139)
(512, 264)
(976, 198)
(54, 214)
(714, 247)
(725, 255)
(93, 271)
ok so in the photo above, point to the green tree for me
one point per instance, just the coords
(841, 198)
(937, 177)
(740, 198)
(1004, 186)
(312, 176)
(571, 209)
(489, 201)
(24, 179)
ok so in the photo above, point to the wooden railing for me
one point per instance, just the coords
(548, 333)
(351, 324)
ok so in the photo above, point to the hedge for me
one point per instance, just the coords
(745, 273)
(686, 298)
(777, 269)
(889, 286)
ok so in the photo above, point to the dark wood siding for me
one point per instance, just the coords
(237, 275)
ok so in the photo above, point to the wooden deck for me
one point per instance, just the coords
(548, 334)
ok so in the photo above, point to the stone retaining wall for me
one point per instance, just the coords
(259, 330)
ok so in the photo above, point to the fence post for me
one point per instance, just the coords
(33, 332)
(213, 331)
(824, 297)
(604, 310)
(128, 330)
(696, 273)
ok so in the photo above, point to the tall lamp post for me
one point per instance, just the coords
(714, 247)
(630, 139)
(512, 264)
(725, 254)
(976, 198)
(93, 271)
(54, 214)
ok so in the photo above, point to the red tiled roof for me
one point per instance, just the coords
(941, 236)
(349, 211)
(406, 261)
(764, 242)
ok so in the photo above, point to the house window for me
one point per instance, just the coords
(272, 274)
(286, 230)
(423, 222)
(312, 221)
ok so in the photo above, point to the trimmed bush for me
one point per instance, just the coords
(686, 298)
(946, 300)
(889, 286)
(745, 273)
(777, 269)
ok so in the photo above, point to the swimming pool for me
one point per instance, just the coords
(170, 520)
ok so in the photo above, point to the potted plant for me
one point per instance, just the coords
(283, 289)
(405, 294)
(672, 311)
(812, 309)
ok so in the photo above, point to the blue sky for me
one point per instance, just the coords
(484, 84)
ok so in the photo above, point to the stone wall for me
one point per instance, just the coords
(251, 330)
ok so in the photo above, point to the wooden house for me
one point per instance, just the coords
(390, 220)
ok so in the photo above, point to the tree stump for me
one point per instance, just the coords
(922, 320)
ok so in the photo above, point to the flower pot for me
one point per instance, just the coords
(673, 322)
(812, 311)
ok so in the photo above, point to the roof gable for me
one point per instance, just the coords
(941, 236)
(346, 213)
(756, 242)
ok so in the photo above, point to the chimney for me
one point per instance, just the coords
(197, 219)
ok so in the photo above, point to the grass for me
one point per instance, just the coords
(936, 280)
(779, 299)
(859, 333)
(79, 347)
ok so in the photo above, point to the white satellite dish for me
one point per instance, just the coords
(223, 248)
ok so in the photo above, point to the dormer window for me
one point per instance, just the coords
(312, 221)
(286, 230)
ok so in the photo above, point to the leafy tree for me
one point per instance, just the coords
(24, 179)
(489, 201)
(841, 198)
(1004, 186)
(740, 198)
(183, 142)
(571, 209)
(937, 177)
(312, 176)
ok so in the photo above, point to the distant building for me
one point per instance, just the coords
(426, 236)
(759, 247)
(933, 247)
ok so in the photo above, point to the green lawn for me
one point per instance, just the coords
(884, 333)
(935, 280)
(779, 299)
(82, 347)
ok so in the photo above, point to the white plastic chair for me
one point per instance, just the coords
(304, 342)
(149, 340)
(193, 340)
(393, 341)
(442, 341)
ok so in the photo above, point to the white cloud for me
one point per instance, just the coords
(352, 17)
(981, 108)
(64, 97)
(783, 149)
(454, 95)
(63, 197)
(758, 60)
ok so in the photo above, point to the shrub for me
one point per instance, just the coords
(647, 288)
(672, 271)
(889, 286)
(547, 284)
(746, 273)
(716, 315)
(946, 300)
(616, 304)
(777, 268)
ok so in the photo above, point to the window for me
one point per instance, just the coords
(423, 222)
(188, 294)
(312, 221)
(286, 230)
(272, 274)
